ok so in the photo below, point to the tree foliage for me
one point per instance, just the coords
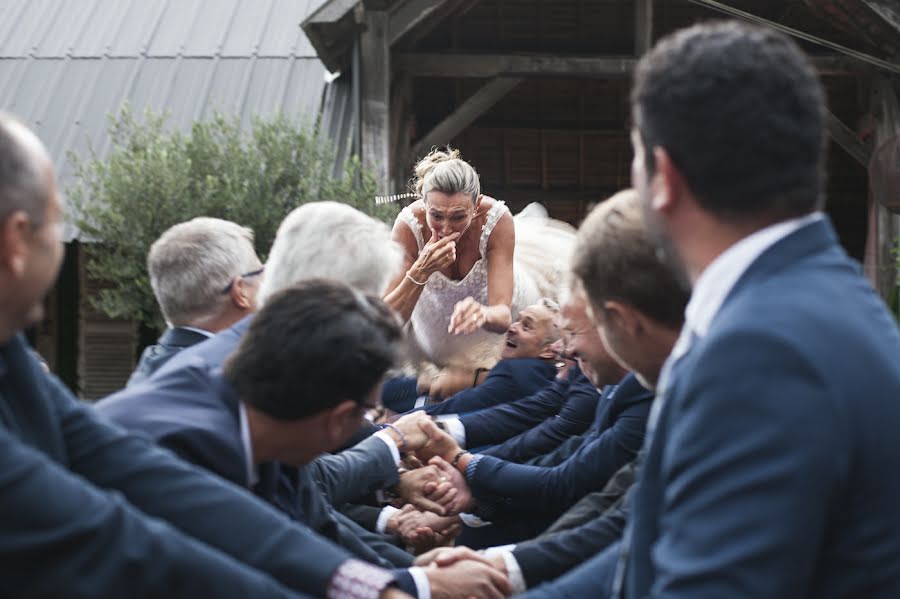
(155, 177)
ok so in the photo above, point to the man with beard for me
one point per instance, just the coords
(771, 452)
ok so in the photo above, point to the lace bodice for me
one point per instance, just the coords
(431, 316)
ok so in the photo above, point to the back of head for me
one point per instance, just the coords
(740, 111)
(447, 172)
(22, 183)
(331, 240)
(311, 347)
(192, 262)
(615, 259)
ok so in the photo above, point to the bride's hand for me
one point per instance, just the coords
(436, 255)
(468, 316)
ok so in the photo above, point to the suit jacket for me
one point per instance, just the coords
(599, 523)
(772, 471)
(172, 341)
(517, 491)
(88, 510)
(537, 424)
(194, 412)
(508, 380)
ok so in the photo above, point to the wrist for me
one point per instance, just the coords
(463, 462)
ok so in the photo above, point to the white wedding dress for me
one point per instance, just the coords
(542, 253)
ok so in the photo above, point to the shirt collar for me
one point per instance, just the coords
(249, 466)
(206, 334)
(720, 277)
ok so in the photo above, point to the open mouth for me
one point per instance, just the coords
(511, 343)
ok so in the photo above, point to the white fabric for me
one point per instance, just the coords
(456, 429)
(423, 586)
(249, 466)
(513, 570)
(203, 332)
(387, 512)
(542, 252)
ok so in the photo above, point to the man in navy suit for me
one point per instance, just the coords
(527, 365)
(87, 510)
(770, 466)
(205, 276)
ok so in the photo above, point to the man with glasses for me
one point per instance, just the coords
(205, 275)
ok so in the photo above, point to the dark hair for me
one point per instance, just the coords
(615, 259)
(21, 183)
(741, 112)
(311, 347)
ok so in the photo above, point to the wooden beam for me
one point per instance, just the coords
(331, 11)
(411, 14)
(466, 113)
(447, 9)
(375, 98)
(643, 26)
(530, 65)
(885, 108)
(847, 139)
(888, 10)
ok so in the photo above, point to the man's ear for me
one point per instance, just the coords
(668, 184)
(240, 295)
(622, 317)
(14, 243)
(339, 422)
(548, 352)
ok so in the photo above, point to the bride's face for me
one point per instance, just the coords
(446, 214)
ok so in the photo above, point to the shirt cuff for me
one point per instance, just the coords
(386, 514)
(473, 464)
(358, 580)
(473, 521)
(456, 429)
(514, 572)
(423, 587)
(395, 453)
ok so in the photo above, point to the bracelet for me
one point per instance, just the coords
(404, 446)
(415, 282)
(478, 372)
(457, 457)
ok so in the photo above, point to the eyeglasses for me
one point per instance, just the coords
(246, 275)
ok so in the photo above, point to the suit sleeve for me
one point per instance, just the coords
(748, 444)
(545, 559)
(593, 578)
(574, 418)
(498, 387)
(197, 503)
(537, 489)
(354, 473)
(499, 423)
(62, 537)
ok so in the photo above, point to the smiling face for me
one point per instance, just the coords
(449, 213)
(529, 336)
(583, 343)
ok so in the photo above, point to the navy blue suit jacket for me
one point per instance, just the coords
(537, 424)
(172, 341)
(508, 380)
(194, 412)
(773, 468)
(544, 493)
(88, 510)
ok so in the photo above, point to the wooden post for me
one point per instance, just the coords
(375, 101)
(643, 26)
(886, 110)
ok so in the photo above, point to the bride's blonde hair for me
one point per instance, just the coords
(444, 170)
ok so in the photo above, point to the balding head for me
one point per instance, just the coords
(30, 218)
(25, 167)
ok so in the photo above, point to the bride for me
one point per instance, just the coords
(470, 266)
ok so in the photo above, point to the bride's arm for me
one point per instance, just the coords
(468, 315)
(404, 291)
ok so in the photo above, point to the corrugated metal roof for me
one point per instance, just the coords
(65, 66)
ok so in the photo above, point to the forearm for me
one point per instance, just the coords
(405, 295)
(497, 318)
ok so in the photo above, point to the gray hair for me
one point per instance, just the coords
(192, 262)
(333, 241)
(447, 172)
(22, 184)
(553, 333)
